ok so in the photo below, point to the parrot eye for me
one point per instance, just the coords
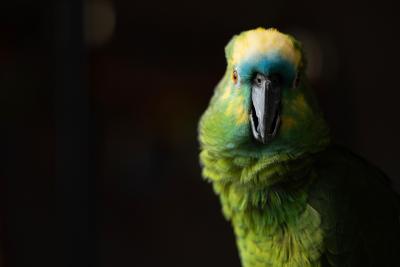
(235, 76)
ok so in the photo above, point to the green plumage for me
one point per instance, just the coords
(298, 200)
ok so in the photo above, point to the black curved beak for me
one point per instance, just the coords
(265, 108)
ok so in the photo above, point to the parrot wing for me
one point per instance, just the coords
(360, 212)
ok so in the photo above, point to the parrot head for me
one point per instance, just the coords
(263, 103)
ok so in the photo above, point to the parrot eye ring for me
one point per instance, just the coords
(235, 76)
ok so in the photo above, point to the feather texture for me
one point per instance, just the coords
(297, 201)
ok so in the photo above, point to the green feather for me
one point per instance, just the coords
(297, 201)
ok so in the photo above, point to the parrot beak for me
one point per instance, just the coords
(265, 108)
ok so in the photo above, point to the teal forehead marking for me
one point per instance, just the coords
(267, 65)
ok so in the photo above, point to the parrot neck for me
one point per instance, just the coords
(259, 188)
(262, 171)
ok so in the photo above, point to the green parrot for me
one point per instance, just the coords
(294, 199)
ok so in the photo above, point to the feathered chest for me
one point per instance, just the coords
(266, 201)
(296, 244)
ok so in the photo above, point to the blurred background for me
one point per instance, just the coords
(99, 104)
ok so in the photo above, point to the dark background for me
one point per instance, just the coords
(99, 103)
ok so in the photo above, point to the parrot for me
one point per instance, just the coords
(293, 196)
